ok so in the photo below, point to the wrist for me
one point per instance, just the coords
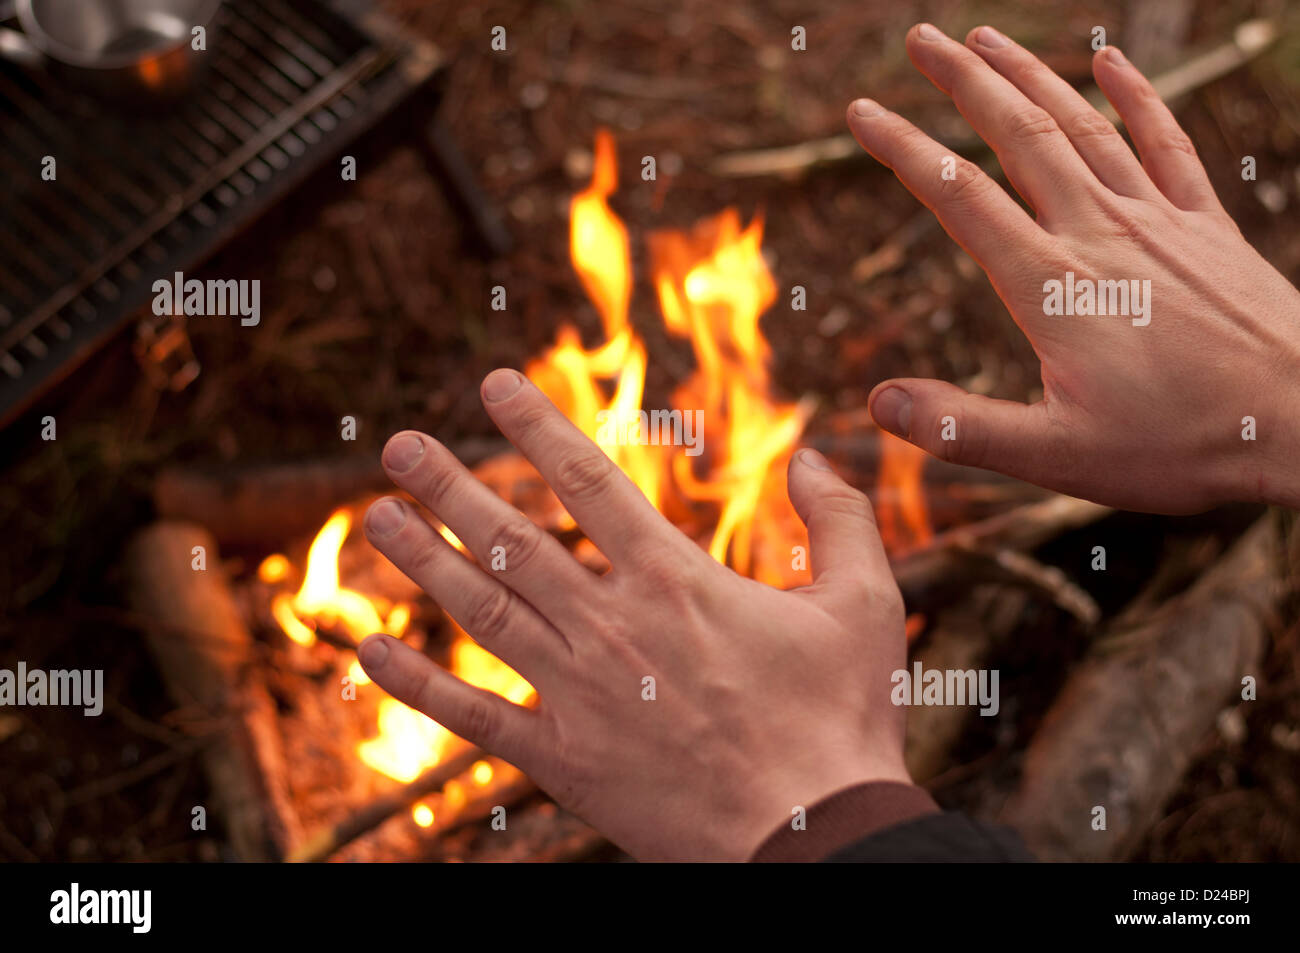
(798, 805)
(843, 818)
(1270, 449)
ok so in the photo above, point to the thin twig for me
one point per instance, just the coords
(1248, 40)
(325, 842)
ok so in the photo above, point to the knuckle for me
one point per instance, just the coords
(968, 444)
(490, 613)
(425, 696)
(1176, 141)
(1126, 225)
(480, 723)
(518, 539)
(1027, 126)
(1088, 124)
(967, 185)
(439, 484)
(532, 422)
(424, 559)
(914, 142)
(663, 571)
(846, 503)
(583, 474)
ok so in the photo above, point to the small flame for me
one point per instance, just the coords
(901, 510)
(323, 601)
(408, 742)
(322, 596)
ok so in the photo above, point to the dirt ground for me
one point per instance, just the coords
(373, 309)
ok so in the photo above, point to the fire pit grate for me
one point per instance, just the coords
(289, 84)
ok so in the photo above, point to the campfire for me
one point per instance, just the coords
(322, 764)
(712, 287)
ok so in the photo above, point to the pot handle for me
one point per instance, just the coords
(14, 46)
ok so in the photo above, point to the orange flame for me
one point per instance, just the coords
(569, 374)
(901, 509)
(408, 742)
(713, 287)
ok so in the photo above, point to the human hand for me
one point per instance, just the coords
(1143, 411)
(764, 700)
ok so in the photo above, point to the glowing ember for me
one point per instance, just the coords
(274, 568)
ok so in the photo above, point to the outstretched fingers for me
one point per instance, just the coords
(1167, 153)
(485, 606)
(1034, 152)
(976, 211)
(1092, 134)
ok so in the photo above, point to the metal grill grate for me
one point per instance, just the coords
(289, 84)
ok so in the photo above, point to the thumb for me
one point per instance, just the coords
(1020, 440)
(845, 548)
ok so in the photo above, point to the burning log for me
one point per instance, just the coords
(945, 569)
(1123, 729)
(539, 833)
(320, 845)
(961, 638)
(266, 504)
(198, 638)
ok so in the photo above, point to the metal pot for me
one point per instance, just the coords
(135, 49)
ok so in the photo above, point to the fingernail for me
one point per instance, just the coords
(892, 409)
(403, 452)
(987, 36)
(386, 517)
(1115, 57)
(928, 32)
(867, 107)
(501, 384)
(373, 652)
(810, 457)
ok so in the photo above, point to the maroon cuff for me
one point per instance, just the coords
(843, 818)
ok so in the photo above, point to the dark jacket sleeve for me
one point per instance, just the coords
(888, 821)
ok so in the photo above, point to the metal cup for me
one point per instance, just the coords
(139, 50)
